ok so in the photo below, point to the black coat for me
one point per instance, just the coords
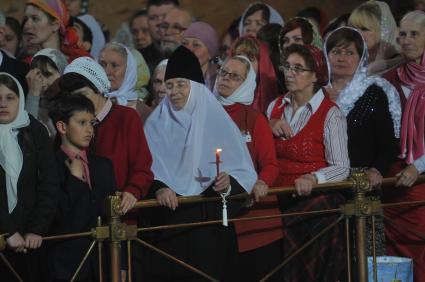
(15, 68)
(78, 209)
(37, 185)
(371, 138)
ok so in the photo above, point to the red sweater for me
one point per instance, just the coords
(305, 152)
(261, 147)
(258, 233)
(120, 137)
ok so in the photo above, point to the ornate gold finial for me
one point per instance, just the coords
(360, 181)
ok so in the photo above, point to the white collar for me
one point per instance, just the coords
(313, 103)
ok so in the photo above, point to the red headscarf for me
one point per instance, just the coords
(320, 65)
(267, 89)
(69, 38)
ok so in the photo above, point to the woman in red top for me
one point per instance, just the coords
(258, 241)
(119, 133)
(409, 80)
(315, 152)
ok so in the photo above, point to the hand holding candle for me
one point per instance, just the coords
(217, 160)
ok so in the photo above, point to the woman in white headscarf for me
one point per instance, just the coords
(371, 106)
(256, 16)
(28, 179)
(259, 241)
(377, 25)
(183, 133)
(120, 65)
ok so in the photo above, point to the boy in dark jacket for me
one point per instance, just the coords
(85, 181)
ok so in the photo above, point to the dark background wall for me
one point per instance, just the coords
(218, 13)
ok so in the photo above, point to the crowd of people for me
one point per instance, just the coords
(167, 108)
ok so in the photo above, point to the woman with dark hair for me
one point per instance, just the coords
(372, 108)
(409, 80)
(12, 36)
(46, 23)
(258, 54)
(317, 16)
(46, 67)
(316, 153)
(299, 31)
(28, 182)
(256, 16)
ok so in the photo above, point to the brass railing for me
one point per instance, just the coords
(359, 209)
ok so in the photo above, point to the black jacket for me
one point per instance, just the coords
(78, 209)
(37, 185)
(371, 138)
(16, 68)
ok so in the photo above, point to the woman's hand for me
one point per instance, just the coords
(374, 176)
(407, 177)
(16, 242)
(167, 198)
(33, 241)
(281, 128)
(304, 184)
(260, 190)
(127, 202)
(36, 83)
(222, 182)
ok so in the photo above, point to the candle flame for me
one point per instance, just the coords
(218, 150)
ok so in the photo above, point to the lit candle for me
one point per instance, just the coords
(217, 160)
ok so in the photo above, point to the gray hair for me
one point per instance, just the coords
(117, 47)
(239, 59)
(417, 17)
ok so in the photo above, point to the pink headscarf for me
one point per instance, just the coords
(412, 132)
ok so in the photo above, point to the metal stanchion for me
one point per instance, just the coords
(117, 234)
(348, 246)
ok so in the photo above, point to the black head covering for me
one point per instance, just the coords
(184, 64)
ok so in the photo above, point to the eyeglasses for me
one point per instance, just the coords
(233, 76)
(295, 69)
(175, 28)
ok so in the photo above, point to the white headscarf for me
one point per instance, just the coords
(275, 17)
(183, 144)
(127, 91)
(11, 158)
(360, 82)
(244, 94)
(97, 34)
(56, 56)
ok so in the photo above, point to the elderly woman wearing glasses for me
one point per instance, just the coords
(315, 153)
(259, 241)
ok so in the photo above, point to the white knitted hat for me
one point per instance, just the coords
(56, 56)
(91, 70)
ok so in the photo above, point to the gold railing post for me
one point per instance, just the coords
(361, 186)
(117, 231)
